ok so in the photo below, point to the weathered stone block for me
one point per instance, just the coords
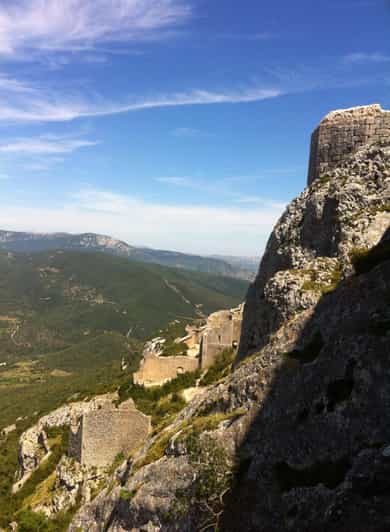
(342, 132)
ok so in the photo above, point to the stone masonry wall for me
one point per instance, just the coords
(342, 132)
(222, 332)
(156, 370)
(110, 432)
(104, 433)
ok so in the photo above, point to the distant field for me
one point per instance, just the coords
(53, 300)
(68, 318)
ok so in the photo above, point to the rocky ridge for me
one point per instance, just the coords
(297, 436)
(36, 242)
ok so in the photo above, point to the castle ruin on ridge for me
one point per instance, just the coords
(155, 369)
(342, 133)
(222, 331)
(101, 434)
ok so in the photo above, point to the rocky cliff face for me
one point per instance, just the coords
(297, 436)
(311, 248)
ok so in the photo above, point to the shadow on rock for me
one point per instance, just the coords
(317, 456)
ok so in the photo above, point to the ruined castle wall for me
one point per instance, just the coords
(155, 370)
(223, 332)
(108, 432)
(75, 441)
(341, 133)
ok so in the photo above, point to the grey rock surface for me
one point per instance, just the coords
(297, 436)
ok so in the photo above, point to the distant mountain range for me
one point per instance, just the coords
(242, 268)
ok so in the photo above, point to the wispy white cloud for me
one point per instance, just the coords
(44, 144)
(260, 36)
(13, 86)
(22, 102)
(176, 181)
(36, 105)
(257, 200)
(186, 227)
(189, 132)
(80, 25)
(227, 188)
(363, 57)
(40, 164)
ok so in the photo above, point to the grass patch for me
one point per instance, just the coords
(11, 504)
(127, 495)
(219, 369)
(198, 424)
(314, 285)
(156, 450)
(160, 402)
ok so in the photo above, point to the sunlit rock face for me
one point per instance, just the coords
(346, 206)
(296, 436)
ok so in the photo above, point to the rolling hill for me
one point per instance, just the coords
(51, 300)
(37, 242)
(68, 318)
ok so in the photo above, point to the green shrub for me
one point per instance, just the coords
(324, 288)
(212, 482)
(159, 402)
(29, 521)
(127, 495)
(219, 369)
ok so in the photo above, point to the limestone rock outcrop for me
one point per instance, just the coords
(297, 436)
(312, 245)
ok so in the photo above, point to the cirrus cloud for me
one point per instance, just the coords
(363, 57)
(21, 102)
(74, 25)
(44, 144)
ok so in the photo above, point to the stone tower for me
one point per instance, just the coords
(342, 132)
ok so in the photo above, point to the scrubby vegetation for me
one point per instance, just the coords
(160, 402)
(66, 321)
(176, 329)
(213, 481)
(219, 369)
(14, 505)
(29, 521)
(55, 299)
(185, 432)
(316, 285)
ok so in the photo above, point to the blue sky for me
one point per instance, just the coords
(177, 124)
